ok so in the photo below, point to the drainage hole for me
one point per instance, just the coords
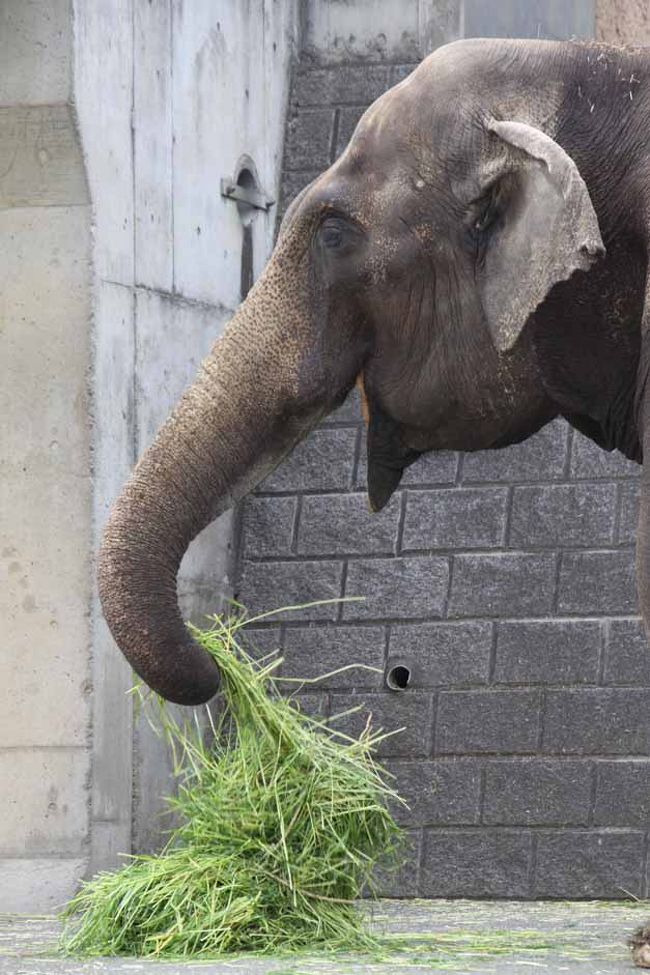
(398, 677)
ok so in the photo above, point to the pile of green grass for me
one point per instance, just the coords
(282, 823)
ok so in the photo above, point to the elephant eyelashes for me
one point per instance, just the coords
(337, 234)
(487, 212)
(332, 237)
(332, 232)
(484, 220)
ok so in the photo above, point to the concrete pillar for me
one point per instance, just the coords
(169, 96)
(45, 488)
(139, 108)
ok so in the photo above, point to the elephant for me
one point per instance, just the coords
(476, 261)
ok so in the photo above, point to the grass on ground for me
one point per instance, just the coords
(282, 824)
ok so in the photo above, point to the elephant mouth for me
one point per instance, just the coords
(388, 454)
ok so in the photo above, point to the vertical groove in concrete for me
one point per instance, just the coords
(105, 118)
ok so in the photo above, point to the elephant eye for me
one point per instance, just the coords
(487, 210)
(485, 216)
(331, 233)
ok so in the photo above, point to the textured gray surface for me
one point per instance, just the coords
(46, 461)
(554, 19)
(503, 579)
(579, 939)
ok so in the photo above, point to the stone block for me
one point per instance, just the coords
(400, 880)
(322, 462)
(508, 584)
(440, 654)
(389, 711)
(597, 721)
(465, 518)
(399, 72)
(591, 864)
(475, 863)
(629, 515)
(267, 526)
(396, 588)
(312, 651)
(487, 722)
(627, 653)
(442, 793)
(293, 182)
(349, 412)
(343, 84)
(557, 515)
(541, 457)
(343, 524)
(537, 792)
(588, 460)
(436, 467)
(622, 794)
(597, 582)
(312, 704)
(348, 121)
(308, 140)
(547, 652)
(266, 586)
(260, 641)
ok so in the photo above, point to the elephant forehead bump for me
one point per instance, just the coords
(471, 79)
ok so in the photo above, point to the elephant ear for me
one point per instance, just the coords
(547, 228)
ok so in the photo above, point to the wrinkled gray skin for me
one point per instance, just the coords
(477, 258)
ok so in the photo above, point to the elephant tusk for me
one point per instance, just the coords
(365, 408)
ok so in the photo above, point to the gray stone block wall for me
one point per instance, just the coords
(505, 582)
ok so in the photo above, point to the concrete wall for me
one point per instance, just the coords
(45, 487)
(504, 580)
(385, 31)
(169, 96)
(377, 30)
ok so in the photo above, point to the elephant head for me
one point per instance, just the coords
(411, 266)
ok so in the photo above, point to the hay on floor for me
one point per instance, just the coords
(282, 823)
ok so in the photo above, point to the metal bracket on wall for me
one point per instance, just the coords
(249, 195)
(245, 188)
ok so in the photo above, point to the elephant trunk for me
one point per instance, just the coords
(261, 389)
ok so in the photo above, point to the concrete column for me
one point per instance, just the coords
(45, 488)
(169, 96)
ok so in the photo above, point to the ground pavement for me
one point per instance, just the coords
(458, 937)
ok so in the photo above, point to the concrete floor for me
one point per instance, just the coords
(587, 939)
